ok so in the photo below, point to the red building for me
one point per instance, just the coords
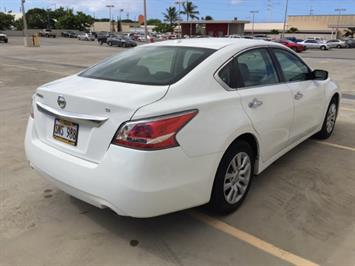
(215, 28)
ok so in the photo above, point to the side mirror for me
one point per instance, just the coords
(320, 74)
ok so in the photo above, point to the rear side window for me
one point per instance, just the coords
(292, 67)
(154, 65)
(256, 68)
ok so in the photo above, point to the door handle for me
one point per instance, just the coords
(255, 103)
(298, 96)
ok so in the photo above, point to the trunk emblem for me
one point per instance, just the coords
(61, 102)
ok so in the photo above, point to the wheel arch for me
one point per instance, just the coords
(253, 141)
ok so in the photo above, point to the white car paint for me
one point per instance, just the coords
(149, 183)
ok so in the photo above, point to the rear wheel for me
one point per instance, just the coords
(329, 121)
(338, 46)
(323, 48)
(233, 178)
(294, 49)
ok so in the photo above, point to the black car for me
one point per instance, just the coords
(102, 37)
(120, 41)
(69, 34)
(3, 37)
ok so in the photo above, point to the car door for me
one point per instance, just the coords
(267, 103)
(308, 95)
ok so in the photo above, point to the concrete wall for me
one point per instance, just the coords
(304, 23)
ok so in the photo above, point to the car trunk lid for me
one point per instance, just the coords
(99, 107)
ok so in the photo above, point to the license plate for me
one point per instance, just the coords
(66, 131)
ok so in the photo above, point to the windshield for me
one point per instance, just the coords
(155, 65)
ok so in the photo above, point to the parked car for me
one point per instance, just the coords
(120, 41)
(86, 37)
(314, 44)
(102, 37)
(3, 37)
(292, 45)
(336, 43)
(69, 34)
(350, 43)
(173, 125)
(48, 33)
(294, 39)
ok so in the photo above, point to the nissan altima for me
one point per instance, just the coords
(177, 124)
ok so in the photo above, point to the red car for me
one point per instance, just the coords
(294, 46)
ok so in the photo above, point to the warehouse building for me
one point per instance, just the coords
(215, 28)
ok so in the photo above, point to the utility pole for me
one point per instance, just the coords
(145, 21)
(285, 20)
(24, 22)
(253, 12)
(339, 10)
(110, 10)
(179, 18)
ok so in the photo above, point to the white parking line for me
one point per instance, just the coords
(252, 240)
(336, 145)
(347, 109)
(33, 68)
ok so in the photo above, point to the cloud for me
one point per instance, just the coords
(99, 5)
(236, 2)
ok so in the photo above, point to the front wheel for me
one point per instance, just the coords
(329, 121)
(323, 48)
(233, 178)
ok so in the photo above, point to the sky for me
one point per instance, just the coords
(268, 10)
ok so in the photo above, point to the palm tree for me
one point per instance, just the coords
(171, 15)
(189, 10)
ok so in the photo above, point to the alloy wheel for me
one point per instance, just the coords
(237, 177)
(331, 117)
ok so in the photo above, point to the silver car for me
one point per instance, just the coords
(336, 43)
(314, 44)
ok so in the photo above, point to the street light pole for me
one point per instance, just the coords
(285, 21)
(145, 21)
(24, 22)
(110, 8)
(338, 20)
(253, 12)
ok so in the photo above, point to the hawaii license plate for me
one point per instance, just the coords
(66, 131)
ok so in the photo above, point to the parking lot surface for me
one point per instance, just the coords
(300, 211)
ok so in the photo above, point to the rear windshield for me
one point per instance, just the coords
(155, 65)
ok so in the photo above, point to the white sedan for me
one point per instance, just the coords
(177, 124)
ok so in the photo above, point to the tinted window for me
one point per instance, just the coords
(228, 75)
(256, 68)
(292, 67)
(154, 65)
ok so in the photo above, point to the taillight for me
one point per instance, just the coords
(153, 134)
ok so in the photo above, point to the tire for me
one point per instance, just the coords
(323, 48)
(338, 46)
(109, 43)
(294, 49)
(329, 121)
(229, 182)
(124, 45)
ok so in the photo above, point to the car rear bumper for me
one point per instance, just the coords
(130, 182)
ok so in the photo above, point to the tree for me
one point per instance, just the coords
(189, 10)
(163, 28)
(349, 32)
(6, 21)
(80, 21)
(154, 21)
(292, 30)
(208, 18)
(171, 15)
(274, 31)
(38, 18)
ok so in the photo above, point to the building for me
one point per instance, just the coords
(216, 28)
(105, 26)
(309, 25)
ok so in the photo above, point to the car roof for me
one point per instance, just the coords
(213, 43)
